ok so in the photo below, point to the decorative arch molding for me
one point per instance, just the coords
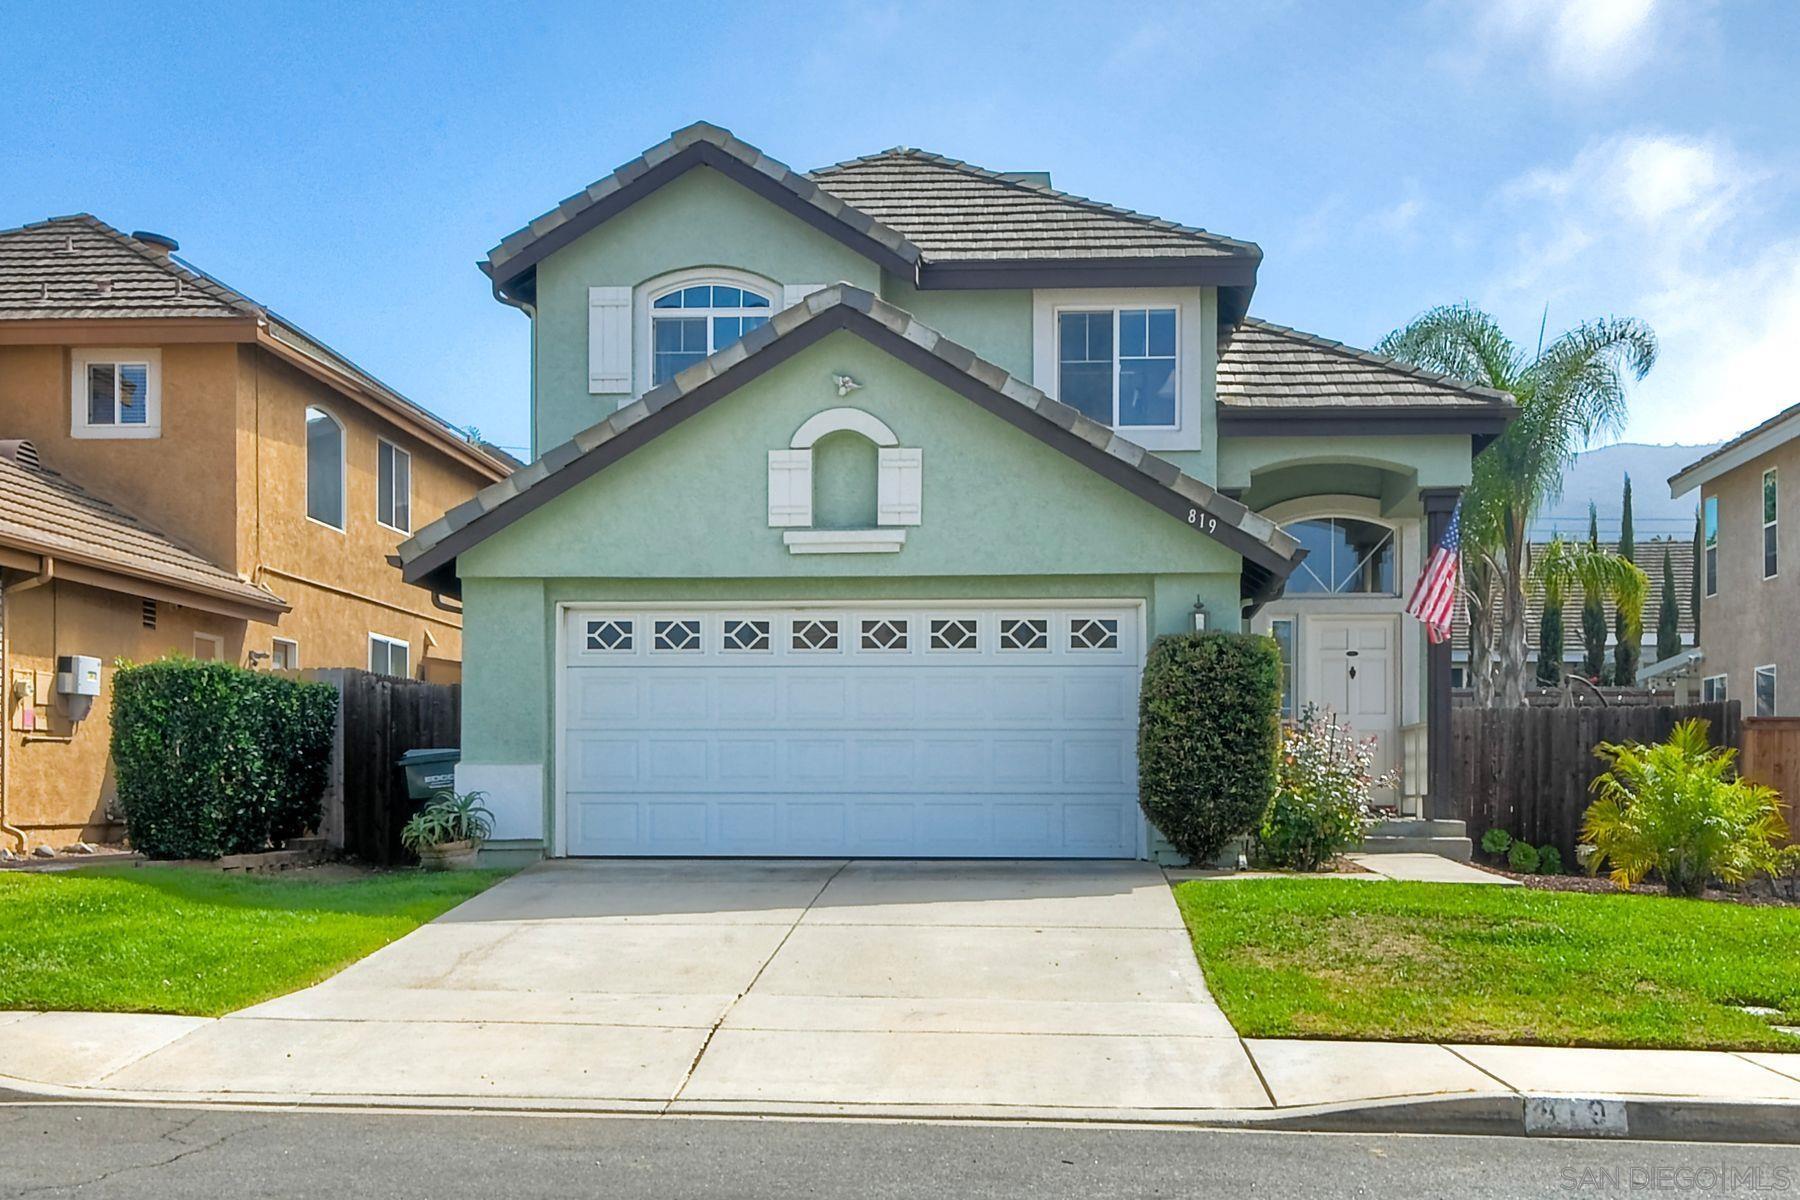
(898, 481)
(1305, 508)
(842, 420)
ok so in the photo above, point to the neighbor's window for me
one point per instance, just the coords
(324, 468)
(389, 656)
(1344, 556)
(1771, 510)
(1117, 365)
(393, 487)
(1765, 691)
(1711, 521)
(285, 655)
(692, 322)
(116, 394)
(1712, 689)
(1282, 630)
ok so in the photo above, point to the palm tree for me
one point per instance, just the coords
(1570, 392)
(1562, 568)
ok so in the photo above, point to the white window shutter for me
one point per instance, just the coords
(609, 340)
(794, 293)
(900, 473)
(790, 488)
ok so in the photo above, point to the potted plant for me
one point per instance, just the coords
(448, 831)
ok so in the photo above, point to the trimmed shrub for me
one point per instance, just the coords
(1209, 722)
(212, 759)
(1523, 858)
(1497, 842)
(1549, 860)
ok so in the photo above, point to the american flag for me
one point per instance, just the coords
(1434, 596)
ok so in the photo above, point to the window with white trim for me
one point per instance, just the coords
(389, 656)
(1771, 509)
(690, 322)
(284, 655)
(1712, 689)
(1282, 630)
(324, 468)
(393, 486)
(1119, 365)
(1765, 691)
(1711, 521)
(115, 394)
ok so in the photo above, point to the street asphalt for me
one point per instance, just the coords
(97, 1151)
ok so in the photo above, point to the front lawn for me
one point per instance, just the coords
(1324, 958)
(174, 940)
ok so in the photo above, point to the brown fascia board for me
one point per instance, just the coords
(699, 154)
(1265, 570)
(112, 331)
(1201, 270)
(1488, 421)
(90, 572)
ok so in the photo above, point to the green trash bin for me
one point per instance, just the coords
(429, 772)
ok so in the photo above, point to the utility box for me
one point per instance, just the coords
(429, 772)
(77, 683)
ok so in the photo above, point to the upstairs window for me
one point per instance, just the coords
(1344, 557)
(393, 487)
(1118, 365)
(692, 322)
(116, 394)
(324, 468)
(1711, 511)
(1771, 511)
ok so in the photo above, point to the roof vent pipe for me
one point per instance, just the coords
(160, 244)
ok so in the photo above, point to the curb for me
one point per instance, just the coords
(1500, 1114)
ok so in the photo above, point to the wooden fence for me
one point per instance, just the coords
(1528, 770)
(379, 719)
(1771, 755)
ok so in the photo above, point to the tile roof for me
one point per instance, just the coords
(78, 266)
(1272, 367)
(47, 513)
(953, 210)
(1648, 556)
(1708, 466)
(1277, 551)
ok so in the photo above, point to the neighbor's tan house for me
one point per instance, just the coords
(185, 471)
(1749, 597)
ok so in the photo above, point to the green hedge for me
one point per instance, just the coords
(214, 760)
(1209, 723)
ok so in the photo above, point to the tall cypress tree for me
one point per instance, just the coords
(1550, 642)
(1668, 617)
(1699, 567)
(1628, 627)
(1593, 614)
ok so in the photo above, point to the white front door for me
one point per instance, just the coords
(1352, 673)
(983, 730)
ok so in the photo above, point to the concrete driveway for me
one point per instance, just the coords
(758, 985)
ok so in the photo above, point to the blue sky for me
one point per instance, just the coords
(1612, 156)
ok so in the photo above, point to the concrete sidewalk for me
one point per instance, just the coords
(955, 990)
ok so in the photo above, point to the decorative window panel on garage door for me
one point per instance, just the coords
(949, 730)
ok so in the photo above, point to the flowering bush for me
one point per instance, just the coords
(1323, 779)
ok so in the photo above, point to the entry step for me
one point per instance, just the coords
(1415, 835)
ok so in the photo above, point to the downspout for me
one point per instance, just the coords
(46, 573)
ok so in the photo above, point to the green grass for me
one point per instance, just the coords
(1350, 959)
(173, 940)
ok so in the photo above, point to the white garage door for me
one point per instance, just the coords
(858, 730)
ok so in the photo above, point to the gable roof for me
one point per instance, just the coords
(1276, 380)
(45, 513)
(1269, 554)
(77, 268)
(1746, 447)
(935, 221)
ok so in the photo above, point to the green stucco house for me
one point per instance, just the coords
(858, 495)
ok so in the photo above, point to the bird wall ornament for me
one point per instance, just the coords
(845, 384)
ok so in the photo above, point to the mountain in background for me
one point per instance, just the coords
(1599, 476)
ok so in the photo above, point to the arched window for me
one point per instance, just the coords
(690, 322)
(1344, 556)
(324, 468)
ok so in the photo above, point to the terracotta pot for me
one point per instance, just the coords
(449, 856)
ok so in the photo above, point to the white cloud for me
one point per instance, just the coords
(1687, 233)
(1592, 42)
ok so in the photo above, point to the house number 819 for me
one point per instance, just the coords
(1208, 522)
